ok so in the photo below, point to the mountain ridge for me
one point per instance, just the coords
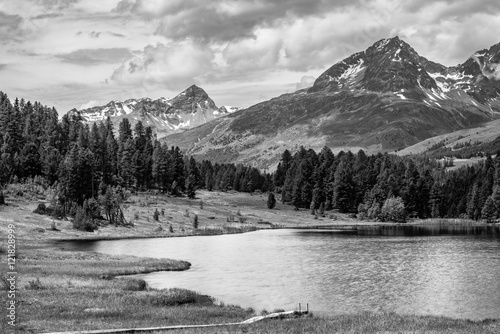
(382, 99)
(190, 108)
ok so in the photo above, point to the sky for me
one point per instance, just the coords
(78, 53)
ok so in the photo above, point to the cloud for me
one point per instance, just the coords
(222, 20)
(56, 4)
(89, 104)
(451, 8)
(9, 23)
(46, 16)
(96, 56)
(2, 66)
(305, 82)
(174, 66)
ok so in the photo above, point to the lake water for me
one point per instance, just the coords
(404, 272)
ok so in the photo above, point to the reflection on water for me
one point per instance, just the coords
(451, 275)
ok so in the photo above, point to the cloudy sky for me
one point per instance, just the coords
(81, 53)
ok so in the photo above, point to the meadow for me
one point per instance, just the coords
(59, 290)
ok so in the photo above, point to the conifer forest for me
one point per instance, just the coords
(92, 168)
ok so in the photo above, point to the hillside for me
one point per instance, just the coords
(382, 99)
(485, 133)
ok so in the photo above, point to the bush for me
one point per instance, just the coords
(83, 221)
(393, 210)
(41, 209)
(177, 297)
(171, 229)
(135, 284)
(35, 284)
(2, 198)
(136, 215)
(156, 214)
(53, 226)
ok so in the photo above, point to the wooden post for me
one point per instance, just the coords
(299, 307)
(307, 308)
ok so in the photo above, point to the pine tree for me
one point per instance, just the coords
(343, 188)
(473, 208)
(271, 201)
(489, 211)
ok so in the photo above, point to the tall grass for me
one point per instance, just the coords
(446, 221)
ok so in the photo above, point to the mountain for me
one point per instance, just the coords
(382, 99)
(189, 109)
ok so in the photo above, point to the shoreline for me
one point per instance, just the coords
(80, 289)
(340, 226)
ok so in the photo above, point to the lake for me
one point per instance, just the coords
(399, 269)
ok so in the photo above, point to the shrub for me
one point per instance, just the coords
(53, 226)
(171, 229)
(2, 198)
(163, 212)
(156, 214)
(393, 210)
(186, 213)
(136, 215)
(83, 221)
(135, 284)
(35, 284)
(201, 204)
(177, 297)
(41, 209)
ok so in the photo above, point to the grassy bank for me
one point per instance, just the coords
(60, 290)
(362, 323)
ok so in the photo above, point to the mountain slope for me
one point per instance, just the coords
(385, 98)
(190, 108)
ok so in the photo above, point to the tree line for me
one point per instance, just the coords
(375, 186)
(84, 163)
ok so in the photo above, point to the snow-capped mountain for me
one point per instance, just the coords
(393, 66)
(384, 98)
(190, 108)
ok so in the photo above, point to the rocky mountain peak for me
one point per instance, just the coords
(190, 108)
(192, 99)
(389, 65)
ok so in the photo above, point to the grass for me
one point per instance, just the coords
(61, 290)
(362, 323)
(447, 221)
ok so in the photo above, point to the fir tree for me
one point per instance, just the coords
(271, 201)
(489, 211)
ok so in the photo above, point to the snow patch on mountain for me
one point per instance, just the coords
(352, 70)
(191, 108)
